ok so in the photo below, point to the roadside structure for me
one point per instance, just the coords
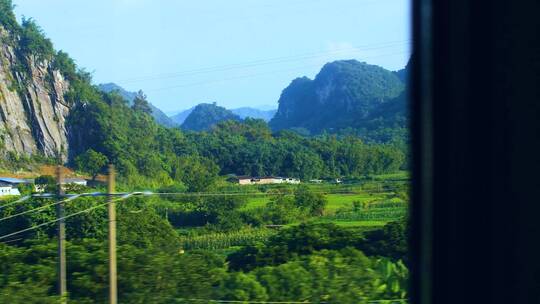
(264, 180)
(74, 181)
(7, 189)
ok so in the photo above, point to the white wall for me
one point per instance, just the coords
(9, 191)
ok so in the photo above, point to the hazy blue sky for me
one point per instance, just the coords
(236, 53)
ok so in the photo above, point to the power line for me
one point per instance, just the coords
(70, 198)
(64, 217)
(187, 194)
(22, 199)
(247, 301)
(253, 75)
(39, 208)
(279, 302)
(258, 62)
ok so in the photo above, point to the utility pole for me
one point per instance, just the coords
(113, 295)
(62, 286)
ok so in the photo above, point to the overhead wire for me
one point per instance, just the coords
(39, 208)
(124, 195)
(282, 302)
(252, 75)
(259, 62)
(22, 199)
(71, 197)
(65, 217)
(247, 301)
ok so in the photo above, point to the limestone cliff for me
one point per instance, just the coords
(344, 94)
(32, 106)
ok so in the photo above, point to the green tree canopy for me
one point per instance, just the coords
(91, 162)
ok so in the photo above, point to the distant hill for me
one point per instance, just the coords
(206, 115)
(181, 116)
(246, 112)
(243, 112)
(345, 94)
(160, 117)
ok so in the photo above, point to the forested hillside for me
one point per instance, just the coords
(125, 133)
(346, 96)
(160, 117)
(206, 115)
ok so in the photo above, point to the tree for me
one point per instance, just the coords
(34, 42)
(238, 286)
(281, 210)
(390, 241)
(7, 17)
(91, 162)
(313, 203)
(300, 240)
(25, 189)
(45, 180)
(140, 104)
(324, 276)
(197, 173)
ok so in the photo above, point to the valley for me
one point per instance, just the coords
(184, 227)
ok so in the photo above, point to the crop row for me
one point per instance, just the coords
(386, 205)
(223, 240)
(369, 215)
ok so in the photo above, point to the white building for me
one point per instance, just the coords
(290, 180)
(74, 181)
(8, 189)
(264, 180)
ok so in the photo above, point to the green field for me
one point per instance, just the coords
(401, 175)
(256, 202)
(335, 201)
(379, 206)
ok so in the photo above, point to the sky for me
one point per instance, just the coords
(236, 53)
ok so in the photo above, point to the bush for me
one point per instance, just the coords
(91, 162)
(7, 17)
(45, 180)
(34, 42)
(63, 63)
(390, 241)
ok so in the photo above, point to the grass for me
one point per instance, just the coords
(374, 224)
(335, 201)
(401, 175)
(256, 202)
(8, 198)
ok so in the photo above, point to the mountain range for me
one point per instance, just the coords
(160, 117)
(45, 98)
(243, 112)
(179, 117)
(345, 94)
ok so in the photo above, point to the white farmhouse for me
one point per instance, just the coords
(264, 180)
(290, 180)
(8, 189)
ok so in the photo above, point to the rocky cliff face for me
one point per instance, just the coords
(32, 106)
